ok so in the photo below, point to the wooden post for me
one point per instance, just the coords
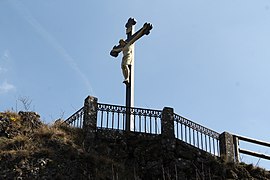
(236, 149)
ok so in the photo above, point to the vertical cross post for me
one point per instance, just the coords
(130, 26)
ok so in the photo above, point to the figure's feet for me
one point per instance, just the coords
(126, 81)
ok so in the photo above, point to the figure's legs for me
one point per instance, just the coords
(126, 73)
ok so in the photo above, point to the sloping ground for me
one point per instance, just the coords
(30, 149)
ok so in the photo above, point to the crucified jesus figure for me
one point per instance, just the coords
(126, 47)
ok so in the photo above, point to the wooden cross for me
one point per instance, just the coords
(127, 65)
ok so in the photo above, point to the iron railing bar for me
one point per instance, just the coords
(79, 121)
(218, 150)
(134, 119)
(214, 146)
(107, 116)
(112, 120)
(198, 139)
(205, 141)
(101, 118)
(201, 141)
(145, 125)
(209, 140)
(150, 124)
(193, 137)
(189, 135)
(118, 118)
(140, 122)
(155, 125)
(185, 133)
(124, 118)
(177, 129)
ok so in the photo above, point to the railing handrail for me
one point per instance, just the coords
(124, 107)
(100, 105)
(196, 126)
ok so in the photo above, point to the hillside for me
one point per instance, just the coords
(30, 149)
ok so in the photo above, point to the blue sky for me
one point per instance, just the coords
(209, 60)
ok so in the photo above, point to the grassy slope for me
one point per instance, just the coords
(35, 150)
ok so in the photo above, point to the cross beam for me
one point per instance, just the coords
(131, 38)
(127, 47)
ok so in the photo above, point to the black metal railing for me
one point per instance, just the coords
(196, 135)
(149, 121)
(111, 116)
(76, 120)
(146, 120)
(142, 120)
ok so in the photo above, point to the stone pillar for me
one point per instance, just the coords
(167, 123)
(226, 145)
(167, 134)
(90, 120)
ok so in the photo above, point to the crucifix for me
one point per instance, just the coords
(127, 65)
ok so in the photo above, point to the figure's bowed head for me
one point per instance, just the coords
(117, 49)
(122, 42)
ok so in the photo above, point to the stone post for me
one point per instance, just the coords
(90, 120)
(226, 145)
(167, 123)
(167, 134)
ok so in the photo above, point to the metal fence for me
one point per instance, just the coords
(76, 120)
(149, 121)
(239, 150)
(196, 135)
(142, 120)
(113, 117)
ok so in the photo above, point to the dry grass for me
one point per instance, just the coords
(34, 149)
(45, 138)
(13, 116)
